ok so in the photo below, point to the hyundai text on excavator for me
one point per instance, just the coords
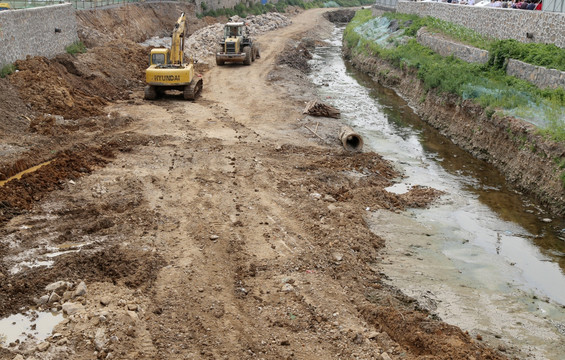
(236, 45)
(168, 71)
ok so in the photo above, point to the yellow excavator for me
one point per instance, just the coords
(168, 71)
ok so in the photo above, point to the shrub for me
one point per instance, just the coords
(76, 47)
(7, 70)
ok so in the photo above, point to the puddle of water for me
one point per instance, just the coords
(30, 264)
(399, 188)
(36, 325)
(20, 174)
(503, 261)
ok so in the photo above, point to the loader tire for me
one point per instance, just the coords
(219, 62)
(253, 53)
(150, 93)
(247, 51)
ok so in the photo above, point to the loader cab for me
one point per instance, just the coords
(159, 57)
(234, 29)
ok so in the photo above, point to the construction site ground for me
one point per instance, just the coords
(215, 229)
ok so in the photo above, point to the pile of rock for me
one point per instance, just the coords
(263, 23)
(204, 42)
(60, 293)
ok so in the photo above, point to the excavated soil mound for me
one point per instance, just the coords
(296, 57)
(340, 16)
(13, 110)
(77, 87)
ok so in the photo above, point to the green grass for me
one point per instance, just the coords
(487, 84)
(7, 70)
(546, 55)
(75, 48)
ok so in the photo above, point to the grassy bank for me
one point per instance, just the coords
(486, 84)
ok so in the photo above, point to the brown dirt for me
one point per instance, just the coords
(219, 228)
(135, 22)
(78, 87)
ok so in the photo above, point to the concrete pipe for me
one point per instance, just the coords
(350, 139)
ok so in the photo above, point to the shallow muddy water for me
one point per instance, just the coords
(35, 325)
(484, 257)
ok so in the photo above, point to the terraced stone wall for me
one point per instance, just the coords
(44, 31)
(445, 47)
(521, 25)
(537, 75)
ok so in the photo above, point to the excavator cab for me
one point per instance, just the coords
(159, 57)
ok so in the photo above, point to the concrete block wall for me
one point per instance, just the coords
(446, 48)
(33, 32)
(543, 27)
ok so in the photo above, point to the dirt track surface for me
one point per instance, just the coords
(214, 229)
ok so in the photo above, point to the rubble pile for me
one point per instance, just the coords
(204, 42)
(296, 57)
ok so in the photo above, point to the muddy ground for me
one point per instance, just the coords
(214, 229)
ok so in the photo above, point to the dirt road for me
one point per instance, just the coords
(220, 229)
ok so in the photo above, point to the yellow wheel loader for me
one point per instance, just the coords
(168, 71)
(236, 45)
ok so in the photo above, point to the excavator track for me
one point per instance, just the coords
(192, 90)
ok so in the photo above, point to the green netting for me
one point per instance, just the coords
(331, 4)
(378, 30)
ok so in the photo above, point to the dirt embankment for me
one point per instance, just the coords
(134, 22)
(218, 228)
(527, 159)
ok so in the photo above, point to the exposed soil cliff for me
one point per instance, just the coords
(135, 22)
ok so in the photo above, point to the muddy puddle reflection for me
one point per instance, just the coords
(35, 325)
(484, 257)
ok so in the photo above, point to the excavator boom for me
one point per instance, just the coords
(177, 41)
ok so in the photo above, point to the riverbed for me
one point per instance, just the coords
(485, 257)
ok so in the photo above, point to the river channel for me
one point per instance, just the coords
(484, 257)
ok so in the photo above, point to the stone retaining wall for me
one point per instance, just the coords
(44, 31)
(524, 26)
(446, 48)
(537, 75)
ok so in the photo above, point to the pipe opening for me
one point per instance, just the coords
(353, 142)
(350, 140)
